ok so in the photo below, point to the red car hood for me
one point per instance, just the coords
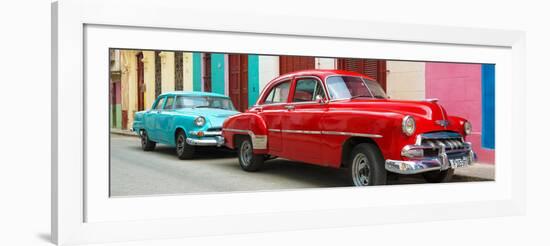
(421, 109)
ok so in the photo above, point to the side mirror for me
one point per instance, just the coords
(320, 99)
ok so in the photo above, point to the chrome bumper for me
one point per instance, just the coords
(206, 141)
(443, 161)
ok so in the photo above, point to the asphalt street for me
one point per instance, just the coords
(135, 172)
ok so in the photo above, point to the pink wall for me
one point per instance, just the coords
(458, 87)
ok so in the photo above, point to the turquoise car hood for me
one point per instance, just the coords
(214, 116)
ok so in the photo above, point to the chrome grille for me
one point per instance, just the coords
(450, 144)
(214, 129)
(451, 141)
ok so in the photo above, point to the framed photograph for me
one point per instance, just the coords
(178, 126)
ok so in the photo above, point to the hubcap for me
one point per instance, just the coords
(180, 144)
(360, 170)
(246, 153)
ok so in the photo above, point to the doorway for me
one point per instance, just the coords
(207, 72)
(238, 81)
(140, 82)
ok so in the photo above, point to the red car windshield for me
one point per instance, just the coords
(344, 87)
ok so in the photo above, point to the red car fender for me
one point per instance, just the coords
(456, 124)
(246, 124)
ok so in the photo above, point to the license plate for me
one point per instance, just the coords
(459, 162)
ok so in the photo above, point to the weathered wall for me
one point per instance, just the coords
(406, 80)
(128, 85)
(268, 69)
(168, 81)
(149, 78)
(187, 71)
(325, 63)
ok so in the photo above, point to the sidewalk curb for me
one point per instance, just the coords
(123, 132)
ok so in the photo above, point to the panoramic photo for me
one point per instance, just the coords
(188, 122)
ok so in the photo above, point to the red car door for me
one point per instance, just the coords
(301, 123)
(272, 110)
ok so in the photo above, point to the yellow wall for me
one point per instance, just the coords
(149, 77)
(187, 71)
(168, 74)
(128, 84)
(406, 80)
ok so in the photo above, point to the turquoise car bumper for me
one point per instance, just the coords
(208, 138)
(206, 141)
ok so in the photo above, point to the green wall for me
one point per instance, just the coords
(253, 79)
(197, 85)
(218, 73)
(116, 119)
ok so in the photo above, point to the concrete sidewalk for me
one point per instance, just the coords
(477, 171)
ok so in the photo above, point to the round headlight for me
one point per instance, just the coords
(408, 125)
(467, 128)
(200, 121)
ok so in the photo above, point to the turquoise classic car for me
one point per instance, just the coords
(184, 120)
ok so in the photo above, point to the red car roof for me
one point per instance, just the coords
(322, 73)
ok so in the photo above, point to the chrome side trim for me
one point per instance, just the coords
(258, 141)
(235, 130)
(353, 134)
(301, 131)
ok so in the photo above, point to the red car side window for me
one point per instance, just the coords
(307, 89)
(278, 94)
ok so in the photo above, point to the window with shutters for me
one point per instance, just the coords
(288, 64)
(178, 63)
(376, 69)
(207, 72)
(158, 74)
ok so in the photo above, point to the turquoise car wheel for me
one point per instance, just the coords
(146, 144)
(183, 149)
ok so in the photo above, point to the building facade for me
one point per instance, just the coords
(139, 76)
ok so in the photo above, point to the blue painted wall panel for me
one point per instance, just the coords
(253, 79)
(488, 106)
(197, 72)
(218, 73)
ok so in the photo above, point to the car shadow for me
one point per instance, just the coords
(283, 169)
(306, 173)
(201, 153)
(320, 176)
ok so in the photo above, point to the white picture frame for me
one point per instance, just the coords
(82, 213)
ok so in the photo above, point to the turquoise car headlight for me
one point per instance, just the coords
(200, 121)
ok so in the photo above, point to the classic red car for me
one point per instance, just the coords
(343, 119)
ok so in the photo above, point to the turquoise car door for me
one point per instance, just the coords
(150, 119)
(164, 121)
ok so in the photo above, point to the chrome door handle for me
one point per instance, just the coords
(289, 107)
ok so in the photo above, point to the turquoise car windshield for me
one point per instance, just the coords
(203, 102)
